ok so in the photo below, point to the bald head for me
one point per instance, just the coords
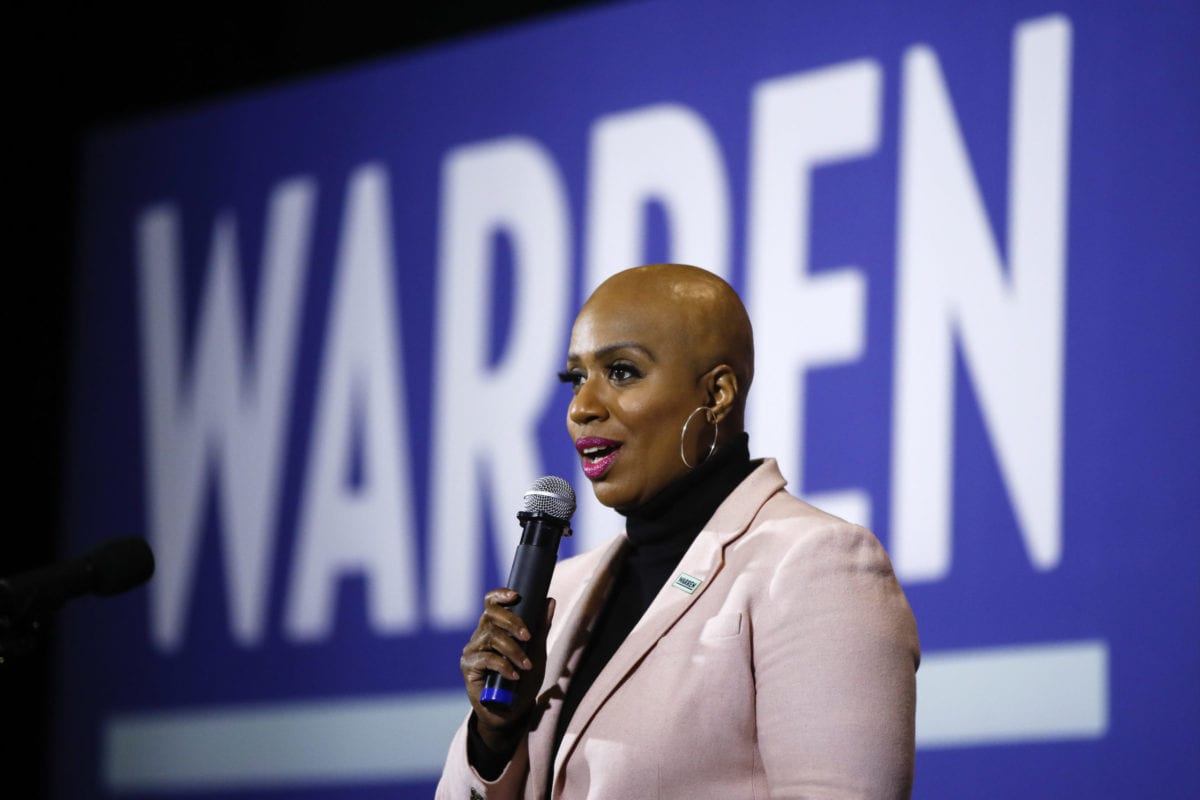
(696, 309)
(651, 348)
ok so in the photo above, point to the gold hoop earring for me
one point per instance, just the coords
(708, 415)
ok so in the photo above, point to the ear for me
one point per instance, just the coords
(721, 383)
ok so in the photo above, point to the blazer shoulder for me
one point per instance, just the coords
(778, 521)
(762, 500)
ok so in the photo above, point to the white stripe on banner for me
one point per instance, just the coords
(1001, 695)
(964, 698)
(364, 740)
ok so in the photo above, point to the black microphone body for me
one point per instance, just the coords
(533, 565)
(114, 567)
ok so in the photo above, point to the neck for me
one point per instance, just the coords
(677, 513)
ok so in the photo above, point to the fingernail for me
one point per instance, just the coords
(524, 634)
(527, 664)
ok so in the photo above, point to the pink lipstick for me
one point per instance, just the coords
(597, 454)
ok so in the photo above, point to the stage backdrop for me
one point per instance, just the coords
(319, 326)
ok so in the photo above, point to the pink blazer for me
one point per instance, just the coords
(787, 670)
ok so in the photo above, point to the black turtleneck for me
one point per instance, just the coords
(659, 534)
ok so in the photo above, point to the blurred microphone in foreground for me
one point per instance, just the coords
(26, 599)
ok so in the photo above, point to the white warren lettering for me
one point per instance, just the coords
(216, 416)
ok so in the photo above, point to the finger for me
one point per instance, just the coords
(499, 623)
(501, 643)
(491, 638)
(476, 665)
(502, 596)
(504, 620)
(496, 613)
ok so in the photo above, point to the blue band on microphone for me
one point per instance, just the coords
(496, 694)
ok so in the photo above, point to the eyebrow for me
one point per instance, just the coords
(609, 349)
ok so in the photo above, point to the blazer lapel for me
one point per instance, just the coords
(578, 622)
(702, 562)
(565, 650)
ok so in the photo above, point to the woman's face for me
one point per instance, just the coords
(635, 383)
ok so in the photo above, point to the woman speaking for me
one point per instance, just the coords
(734, 641)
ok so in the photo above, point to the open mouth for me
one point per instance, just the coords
(597, 455)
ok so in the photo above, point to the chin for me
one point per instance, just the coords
(612, 496)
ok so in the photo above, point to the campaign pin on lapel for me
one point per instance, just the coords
(687, 583)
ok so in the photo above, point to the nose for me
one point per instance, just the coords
(587, 405)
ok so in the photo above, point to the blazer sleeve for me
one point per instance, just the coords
(460, 782)
(835, 658)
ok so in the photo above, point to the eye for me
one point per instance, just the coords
(574, 377)
(622, 372)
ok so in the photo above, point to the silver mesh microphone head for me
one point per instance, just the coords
(551, 495)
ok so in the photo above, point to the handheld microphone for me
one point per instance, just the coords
(113, 567)
(549, 504)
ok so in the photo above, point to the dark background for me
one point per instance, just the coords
(70, 70)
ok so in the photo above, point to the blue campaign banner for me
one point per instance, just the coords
(318, 329)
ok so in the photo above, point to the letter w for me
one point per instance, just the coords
(225, 420)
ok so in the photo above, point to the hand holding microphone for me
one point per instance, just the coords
(501, 661)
